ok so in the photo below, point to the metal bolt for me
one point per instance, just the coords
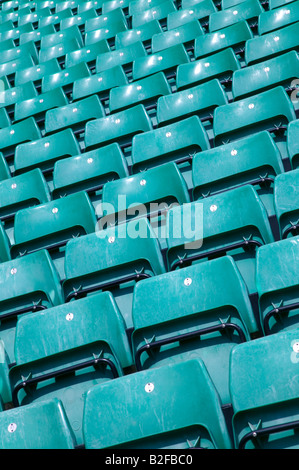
(55, 210)
(143, 182)
(111, 239)
(69, 316)
(188, 281)
(13, 271)
(213, 208)
(149, 387)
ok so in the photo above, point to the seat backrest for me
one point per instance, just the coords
(286, 202)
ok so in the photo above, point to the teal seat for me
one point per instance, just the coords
(281, 70)
(5, 120)
(4, 170)
(56, 18)
(50, 225)
(266, 410)
(110, 5)
(125, 57)
(59, 51)
(118, 257)
(78, 20)
(201, 100)
(286, 203)
(249, 10)
(21, 293)
(196, 422)
(99, 353)
(65, 78)
(34, 17)
(184, 34)
(6, 44)
(234, 36)
(39, 105)
(182, 315)
(22, 191)
(157, 12)
(9, 69)
(75, 115)
(272, 44)
(139, 6)
(106, 33)
(15, 94)
(221, 65)
(43, 153)
(269, 110)
(145, 91)
(89, 171)
(16, 33)
(176, 142)
(278, 18)
(252, 160)
(12, 136)
(278, 3)
(104, 20)
(292, 143)
(27, 427)
(277, 285)
(119, 127)
(164, 61)
(99, 83)
(50, 40)
(200, 11)
(36, 73)
(234, 222)
(4, 245)
(144, 34)
(14, 53)
(87, 54)
(36, 35)
(84, 6)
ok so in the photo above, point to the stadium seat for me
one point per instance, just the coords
(124, 56)
(59, 51)
(157, 12)
(43, 153)
(164, 61)
(145, 91)
(110, 5)
(286, 203)
(196, 422)
(184, 34)
(142, 34)
(235, 36)
(26, 428)
(50, 40)
(278, 18)
(127, 253)
(5, 120)
(265, 408)
(78, 20)
(139, 6)
(36, 73)
(14, 53)
(87, 54)
(278, 3)
(4, 245)
(104, 21)
(292, 143)
(4, 170)
(199, 11)
(56, 18)
(252, 160)
(65, 78)
(16, 33)
(281, 70)
(18, 93)
(221, 65)
(189, 309)
(89, 171)
(201, 100)
(270, 110)
(34, 17)
(272, 44)
(9, 69)
(249, 10)
(99, 83)
(20, 293)
(277, 285)
(232, 222)
(36, 35)
(75, 115)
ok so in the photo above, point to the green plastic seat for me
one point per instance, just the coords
(200, 11)
(87, 54)
(15, 94)
(184, 34)
(119, 127)
(104, 21)
(221, 65)
(39, 105)
(65, 78)
(26, 428)
(37, 34)
(158, 12)
(89, 171)
(16, 33)
(22, 191)
(6, 44)
(272, 44)
(106, 33)
(286, 203)
(164, 61)
(201, 100)
(194, 419)
(266, 410)
(110, 5)
(184, 310)
(292, 143)
(73, 5)
(4, 169)
(139, 6)
(4, 245)
(234, 36)
(278, 3)
(99, 83)
(6, 26)
(36, 73)
(59, 51)
(281, 70)
(250, 10)
(278, 18)
(176, 142)
(253, 160)
(118, 257)
(78, 20)
(144, 34)
(233, 222)
(269, 110)
(44, 152)
(125, 57)
(99, 353)
(85, 6)
(5, 120)
(58, 37)
(9, 69)
(15, 15)
(75, 115)
(145, 91)
(55, 18)
(277, 284)
(21, 293)
(34, 17)
(12, 136)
